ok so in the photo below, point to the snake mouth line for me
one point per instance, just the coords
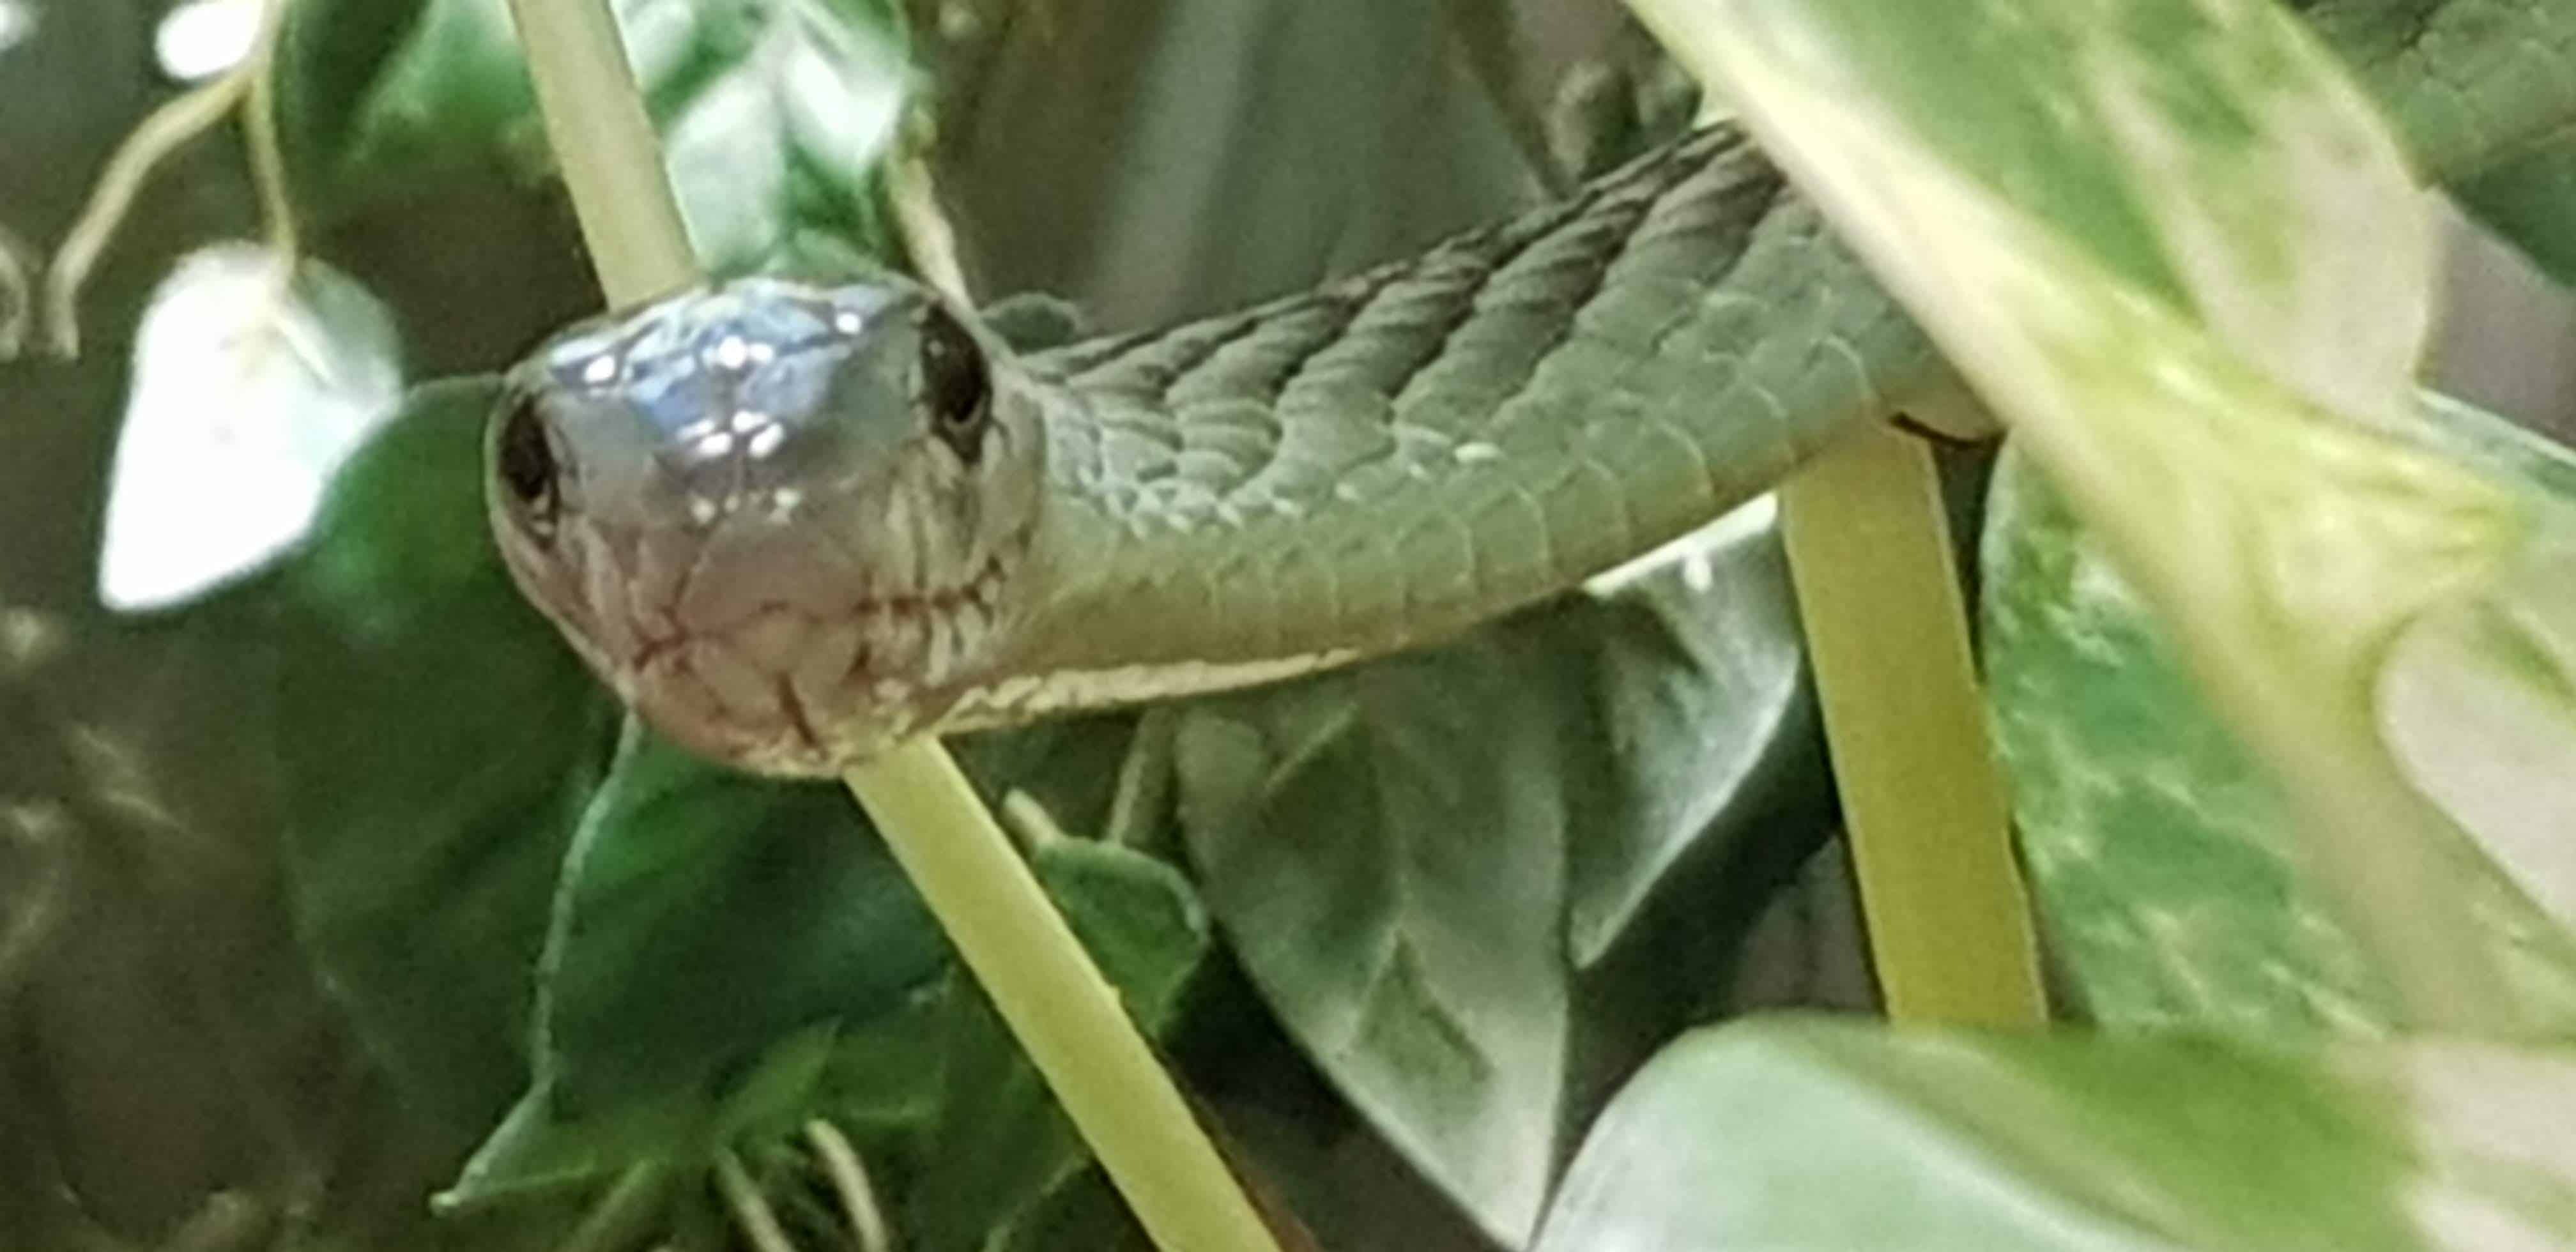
(978, 595)
(784, 687)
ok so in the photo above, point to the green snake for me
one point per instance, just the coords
(793, 525)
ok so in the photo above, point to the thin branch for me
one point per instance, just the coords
(751, 1212)
(267, 154)
(17, 293)
(850, 1182)
(164, 132)
(927, 234)
(1031, 822)
(620, 1215)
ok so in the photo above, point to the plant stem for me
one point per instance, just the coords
(604, 143)
(17, 294)
(267, 153)
(1066, 1015)
(146, 146)
(617, 1219)
(752, 1216)
(1056, 1002)
(849, 1178)
(1869, 551)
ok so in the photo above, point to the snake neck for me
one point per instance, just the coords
(1395, 457)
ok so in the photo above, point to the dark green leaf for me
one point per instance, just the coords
(707, 918)
(1794, 1134)
(1085, 1214)
(1137, 917)
(537, 1149)
(772, 112)
(705, 914)
(1386, 849)
(1699, 679)
(437, 741)
(1410, 856)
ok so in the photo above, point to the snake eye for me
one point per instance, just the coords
(954, 390)
(525, 461)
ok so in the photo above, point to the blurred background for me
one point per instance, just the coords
(172, 1073)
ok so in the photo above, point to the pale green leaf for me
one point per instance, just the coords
(1791, 1134)
(2286, 543)
(2158, 852)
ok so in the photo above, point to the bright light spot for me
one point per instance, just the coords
(17, 22)
(203, 38)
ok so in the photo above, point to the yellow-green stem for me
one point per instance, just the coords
(1066, 1015)
(1055, 1001)
(605, 146)
(1923, 803)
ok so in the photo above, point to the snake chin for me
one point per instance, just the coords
(788, 690)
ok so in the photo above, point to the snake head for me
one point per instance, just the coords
(783, 521)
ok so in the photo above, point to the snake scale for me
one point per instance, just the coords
(794, 524)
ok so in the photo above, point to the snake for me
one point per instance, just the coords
(794, 524)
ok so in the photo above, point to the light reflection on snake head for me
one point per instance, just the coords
(784, 521)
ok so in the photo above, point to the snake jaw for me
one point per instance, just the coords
(789, 691)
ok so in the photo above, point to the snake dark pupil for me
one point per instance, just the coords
(526, 462)
(953, 386)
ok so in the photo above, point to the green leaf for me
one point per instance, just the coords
(1699, 682)
(1413, 857)
(2476, 701)
(2206, 153)
(2157, 849)
(1001, 1144)
(436, 741)
(1138, 917)
(1386, 850)
(703, 915)
(2068, 1141)
(2234, 399)
(772, 113)
(707, 919)
(252, 383)
(892, 1059)
(537, 1149)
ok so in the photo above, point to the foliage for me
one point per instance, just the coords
(1444, 942)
